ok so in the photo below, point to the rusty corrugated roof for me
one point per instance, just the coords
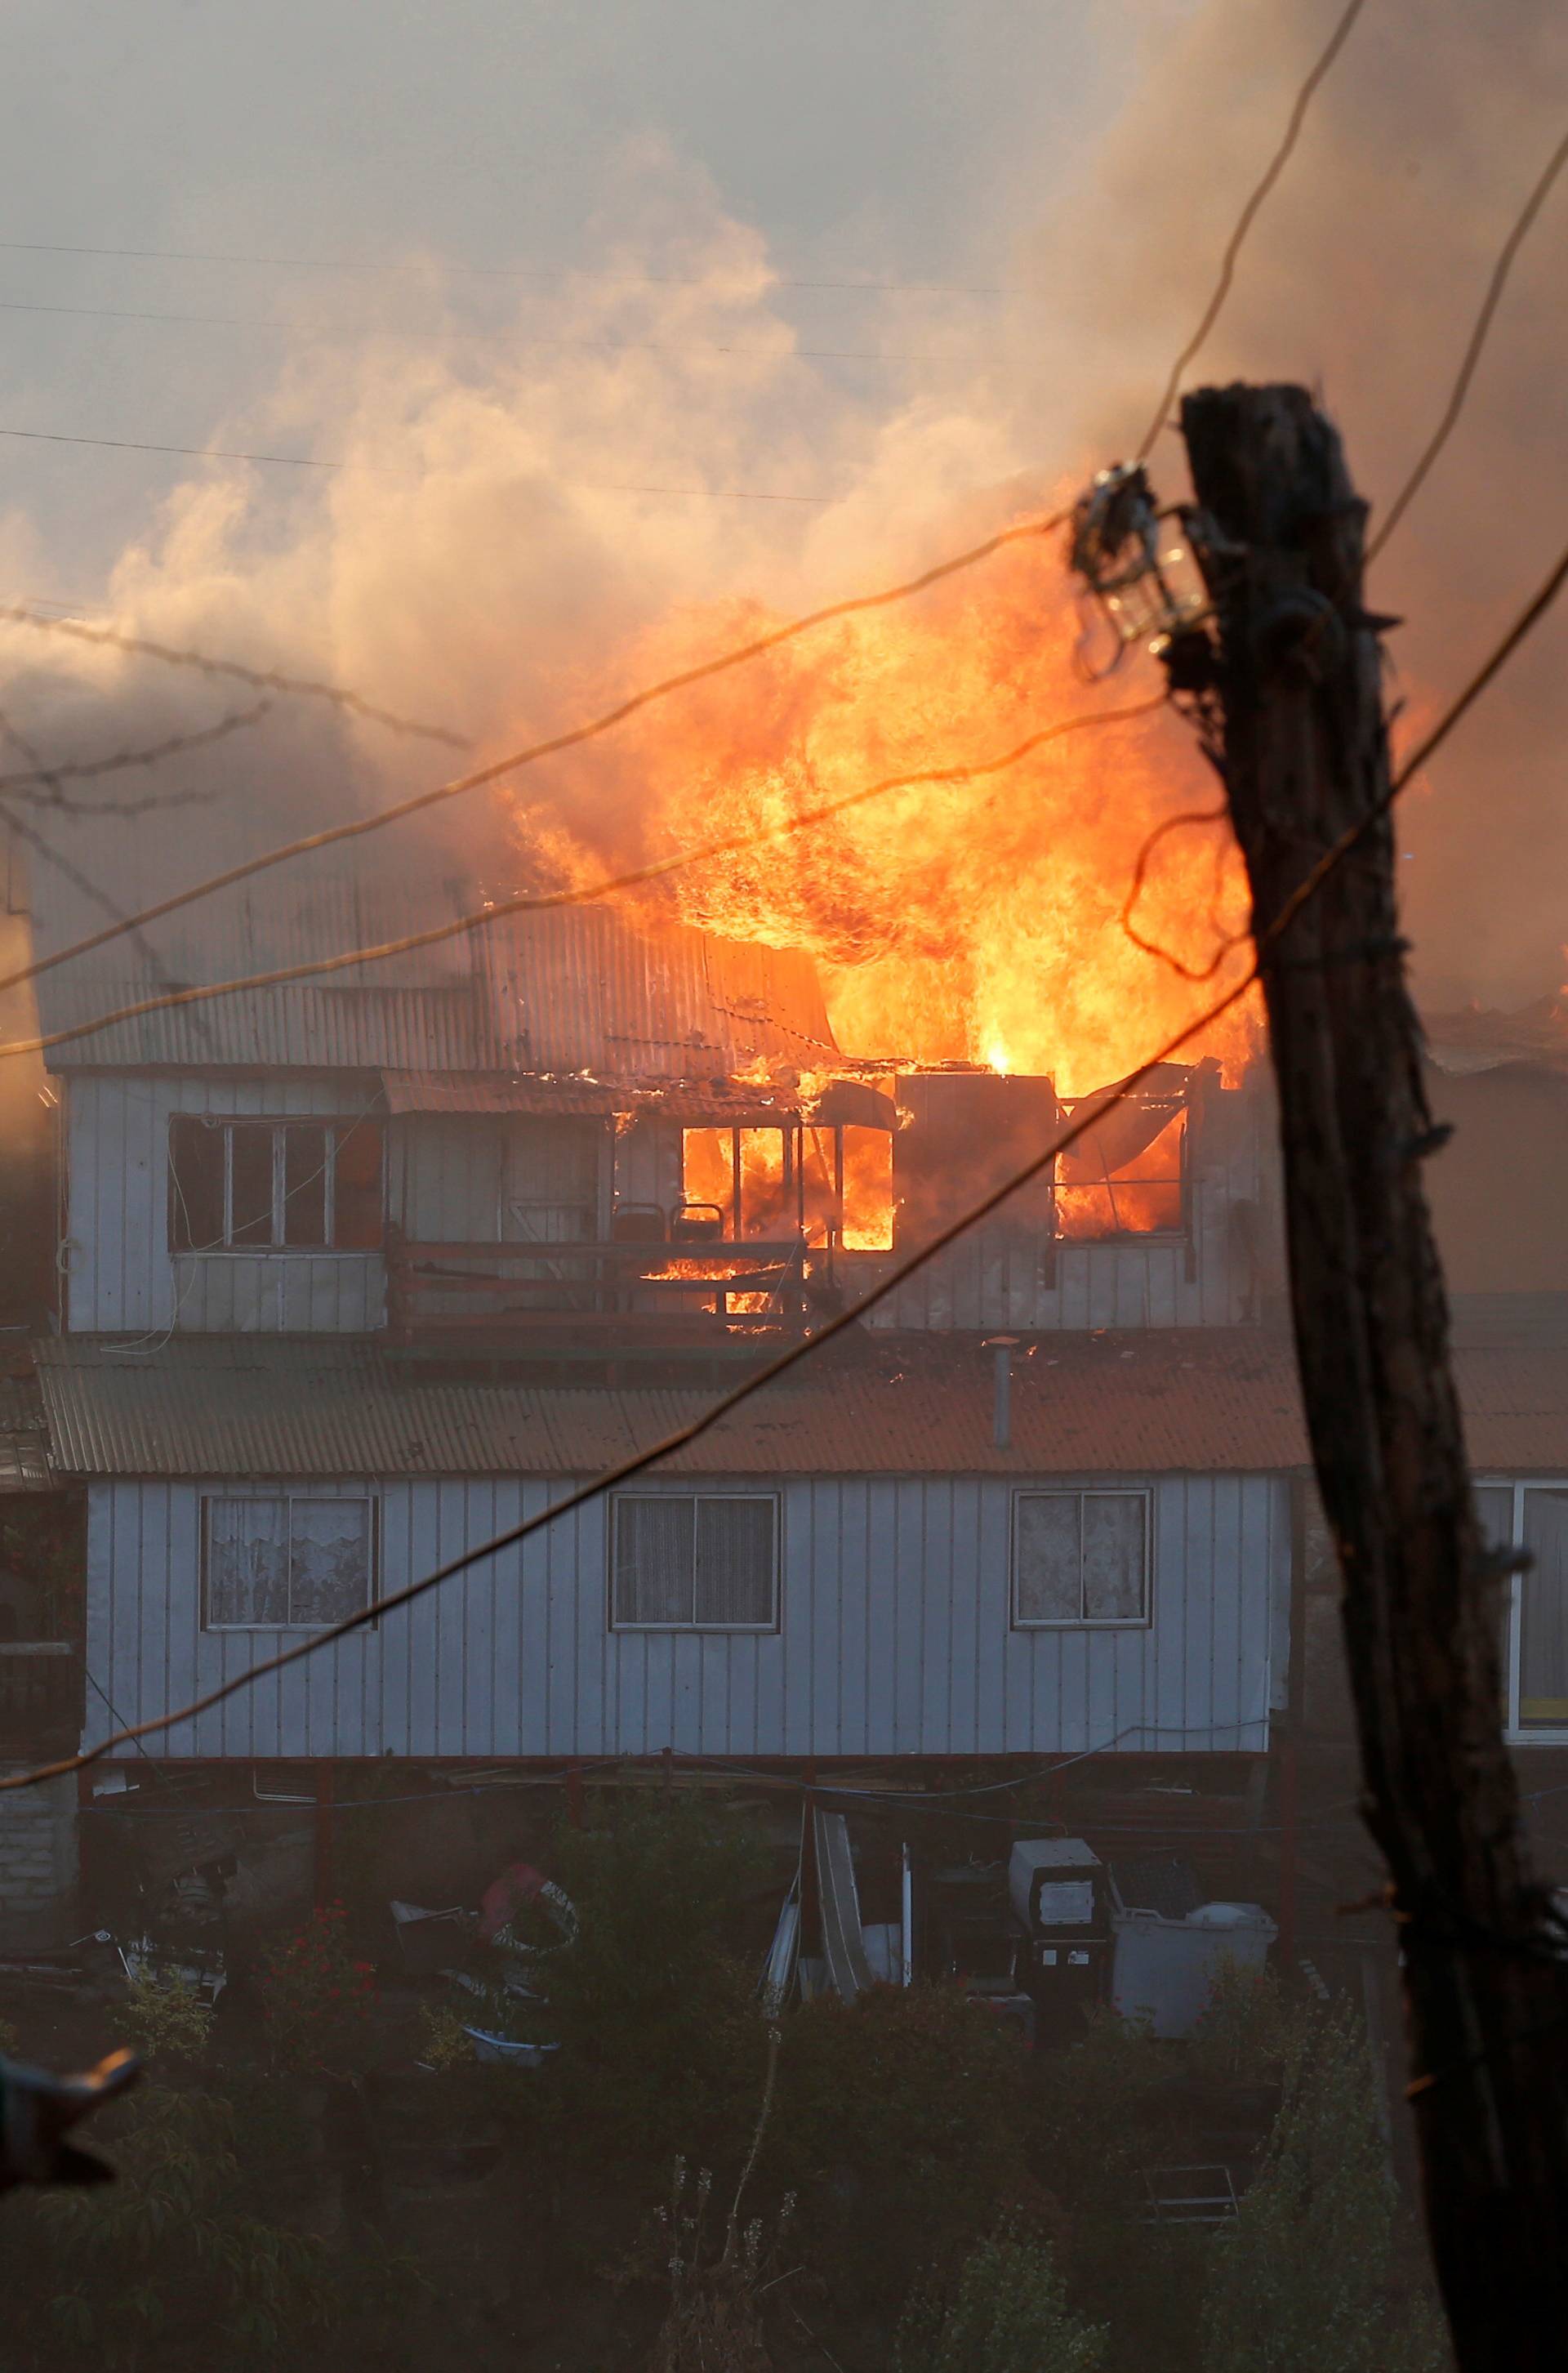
(562, 991)
(1220, 1401)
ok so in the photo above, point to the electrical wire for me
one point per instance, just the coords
(494, 270)
(1249, 215)
(316, 332)
(84, 769)
(313, 968)
(640, 1461)
(1030, 530)
(389, 470)
(264, 679)
(1472, 352)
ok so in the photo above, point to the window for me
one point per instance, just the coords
(703, 1563)
(1080, 1557)
(286, 1564)
(1534, 1517)
(271, 1186)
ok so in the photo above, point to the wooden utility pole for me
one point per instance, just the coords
(1278, 533)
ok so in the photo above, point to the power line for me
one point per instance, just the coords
(1249, 215)
(441, 336)
(499, 271)
(640, 1461)
(389, 470)
(264, 679)
(82, 770)
(855, 605)
(535, 903)
(1472, 352)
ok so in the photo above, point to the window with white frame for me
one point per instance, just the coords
(285, 1562)
(1080, 1558)
(1532, 1517)
(698, 1561)
(273, 1185)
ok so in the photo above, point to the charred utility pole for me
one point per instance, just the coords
(1294, 701)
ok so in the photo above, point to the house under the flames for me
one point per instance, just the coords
(356, 1272)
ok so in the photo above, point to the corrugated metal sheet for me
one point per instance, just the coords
(24, 1462)
(1215, 1403)
(500, 1094)
(564, 991)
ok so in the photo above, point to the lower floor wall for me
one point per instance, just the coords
(38, 1856)
(893, 1623)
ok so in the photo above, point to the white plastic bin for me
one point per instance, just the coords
(1164, 1969)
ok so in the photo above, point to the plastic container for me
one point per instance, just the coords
(1164, 1970)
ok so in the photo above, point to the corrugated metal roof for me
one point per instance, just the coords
(24, 1462)
(566, 990)
(1220, 1401)
(718, 1101)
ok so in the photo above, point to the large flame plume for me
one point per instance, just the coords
(966, 922)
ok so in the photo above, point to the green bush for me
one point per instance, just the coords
(1008, 2313)
(899, 2121)
(661, 2032)
(1301, 2283)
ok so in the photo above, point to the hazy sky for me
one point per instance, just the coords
(591, 214)
(865, 139)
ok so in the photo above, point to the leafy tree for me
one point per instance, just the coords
(1302, 2283)
(1008, 2313)
(660, 2030)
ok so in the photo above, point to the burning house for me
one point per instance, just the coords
(356, 1271)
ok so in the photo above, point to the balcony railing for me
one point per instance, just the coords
(41, 1695)
(609, 1294)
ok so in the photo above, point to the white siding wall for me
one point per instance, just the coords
(121, 1276)
(894, 1638)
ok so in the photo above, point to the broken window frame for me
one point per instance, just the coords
(334, 1129)
(1544, 1730)
(1083, 1621)
(696, 1622)
(1118, 1232)
(288, 1501)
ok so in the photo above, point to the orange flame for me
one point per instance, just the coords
(977, 920)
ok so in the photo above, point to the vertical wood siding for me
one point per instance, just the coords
(122, 1278)
(894, 1635)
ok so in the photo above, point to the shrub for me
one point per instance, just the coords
(1301, 2283)
(166, 2020)
(661, 2031)
(900, 2123)
(315, 2000)
(127, 2274)
(1008, 2313)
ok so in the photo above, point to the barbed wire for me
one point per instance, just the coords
(263, 679)
(61, 771)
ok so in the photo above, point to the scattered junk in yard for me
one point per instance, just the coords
(498, 1956)
(1163, 1968)
(1058, 1892)
(821, 1945)
(96, 1966)
(1137, 1935)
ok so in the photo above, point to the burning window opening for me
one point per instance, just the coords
(1145, 1196)
(825, 1184)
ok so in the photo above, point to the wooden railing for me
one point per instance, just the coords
(610, 1293)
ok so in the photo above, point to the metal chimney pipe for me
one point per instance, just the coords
(1001, 1347)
